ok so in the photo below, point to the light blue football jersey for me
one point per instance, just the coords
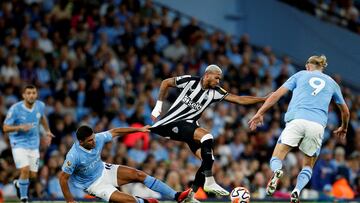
(18, 114)
(85, 166)
(312, 93)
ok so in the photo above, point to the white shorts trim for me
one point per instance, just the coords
(106, 184)
(307, 135)
(26, 157)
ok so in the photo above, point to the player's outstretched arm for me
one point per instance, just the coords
(123, 131)
(270, 101)
(345, 116)
(165, 84)
(244, 100)
(63, 179)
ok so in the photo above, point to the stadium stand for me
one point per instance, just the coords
(101, 64)
(344, 13)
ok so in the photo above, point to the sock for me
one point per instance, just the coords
(303, 178)
(210, 180)
(177, 196)
(160, 187)
(24, 187)
(139, 200)
(199, 179)
(206, 154)
(275, 163)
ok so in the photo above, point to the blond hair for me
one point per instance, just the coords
(319, 61)
(213, 68)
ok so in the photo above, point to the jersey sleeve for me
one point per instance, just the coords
(10, 116)
(181, 81)
(337, 96)
(69, 163)
(290, 83)
(219, 94)
(103, 137)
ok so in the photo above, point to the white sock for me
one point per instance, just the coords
(209, 180)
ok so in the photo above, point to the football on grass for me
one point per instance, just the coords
(240, 195)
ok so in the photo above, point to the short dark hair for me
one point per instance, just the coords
(83, 132)
(29, 87)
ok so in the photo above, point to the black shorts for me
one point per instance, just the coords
(181, 131)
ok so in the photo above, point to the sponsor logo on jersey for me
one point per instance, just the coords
(194, 105)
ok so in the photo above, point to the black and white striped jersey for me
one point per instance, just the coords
(192, 101)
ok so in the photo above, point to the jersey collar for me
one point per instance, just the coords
(27, 109)
(83, 149)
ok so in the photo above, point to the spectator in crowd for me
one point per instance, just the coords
(91, 56)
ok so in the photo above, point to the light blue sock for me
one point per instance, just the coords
(275, 163)
(139, 200)
(24, 187)
(159, 186)
(303, 178)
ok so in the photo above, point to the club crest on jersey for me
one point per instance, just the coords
(38, 115)
(175, 129)
(9, 115)
(194, 105)
(206, 96)
(68, 163)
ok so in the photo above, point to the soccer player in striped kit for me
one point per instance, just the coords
(181, 121)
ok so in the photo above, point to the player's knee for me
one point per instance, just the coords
(25, 171)
(309, 162)
(279, 154)
(139, 176)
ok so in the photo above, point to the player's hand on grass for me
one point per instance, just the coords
(341, 132)
(256, 121)
(25, 127)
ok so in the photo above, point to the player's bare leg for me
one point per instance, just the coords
(279, 154)
(206, 140)
(25, 172)
(128, 175)
(120, 197)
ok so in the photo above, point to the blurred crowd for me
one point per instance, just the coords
(344, 13)
(101, 64)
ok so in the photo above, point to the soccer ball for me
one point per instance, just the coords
(240, 195)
